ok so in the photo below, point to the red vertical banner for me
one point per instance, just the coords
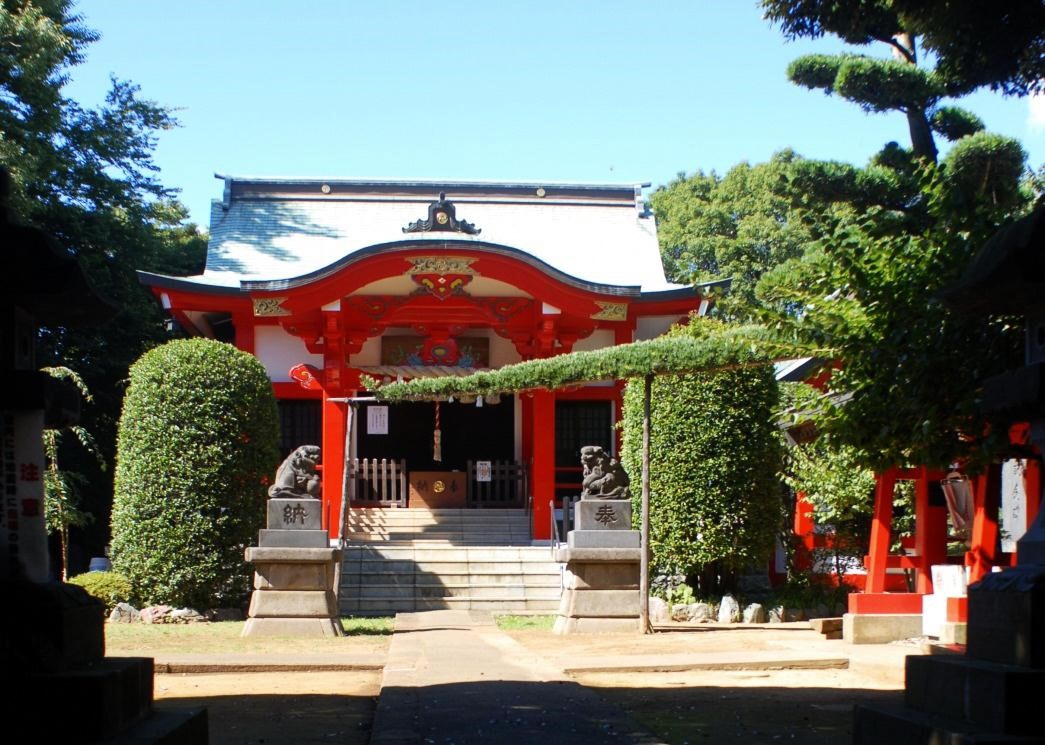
(23, 533)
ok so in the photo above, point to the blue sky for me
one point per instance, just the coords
(537, 91)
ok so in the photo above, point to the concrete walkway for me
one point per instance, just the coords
(452, 677)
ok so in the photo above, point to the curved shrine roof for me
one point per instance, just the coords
(265, 230)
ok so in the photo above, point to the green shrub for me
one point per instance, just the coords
(109, 587)
(715, 503)
(196, 445)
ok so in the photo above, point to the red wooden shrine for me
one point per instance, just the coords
(325, 281)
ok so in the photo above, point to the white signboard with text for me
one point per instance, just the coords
(482, 470)
(1013, 513)
(377, 420)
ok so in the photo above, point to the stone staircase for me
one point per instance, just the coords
(398, 560)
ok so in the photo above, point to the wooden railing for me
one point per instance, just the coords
(377, 483)
(507, 486)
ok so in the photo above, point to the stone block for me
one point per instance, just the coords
(601, 576)
(292, 627)
(603, 539)
(880, 628)
(998, 698)
(271, 555)
(729, 610)
(566, 555)
(294, 514)
(313, 576)
(754, 613)
(1006, 616)
(692, 612)
(565, 625)
(269, 538)
(954, 632)
(658, 610)
(599, 603)
(97, 702)
(602, 514)
(292, 604)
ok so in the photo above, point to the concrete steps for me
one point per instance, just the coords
(418, 559)
(472, 527)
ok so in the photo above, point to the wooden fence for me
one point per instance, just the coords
(507, 486)
(377, 483)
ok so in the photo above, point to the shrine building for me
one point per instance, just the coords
(328, 281)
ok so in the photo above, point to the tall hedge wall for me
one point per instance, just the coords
(715, 502)
(198, 441)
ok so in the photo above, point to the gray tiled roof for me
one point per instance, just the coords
(597, 234)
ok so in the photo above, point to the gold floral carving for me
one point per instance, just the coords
(442, 265)
(611, 311)
(269, 306)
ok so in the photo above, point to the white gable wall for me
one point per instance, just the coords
(280, 351)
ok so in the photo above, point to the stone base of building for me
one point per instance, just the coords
(880, 628)
(954, 632)
(564, 625)
(601, 590)
(293, 627)
(293, 592)
(990, 694)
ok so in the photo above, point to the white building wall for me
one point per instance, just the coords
(599, 339)
(650, 327)
(280, 351)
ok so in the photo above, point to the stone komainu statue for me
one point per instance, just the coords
(603, 476)
(296, 477)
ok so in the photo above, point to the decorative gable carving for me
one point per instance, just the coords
(442, 218)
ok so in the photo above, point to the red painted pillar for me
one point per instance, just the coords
(334, 425)
(803, 530)
(930, 533)
(526, 431)
(881, 532)
(542, 475)
(982, 553)
(244, 326)
(1032, 489)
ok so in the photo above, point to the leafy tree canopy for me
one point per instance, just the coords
(974, 44)
(85, 175)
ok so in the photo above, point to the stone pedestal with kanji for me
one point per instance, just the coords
(601, 580)
(295, 572)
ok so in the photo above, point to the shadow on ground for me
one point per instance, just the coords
(748, 715)
(548, 713)
(278, 708)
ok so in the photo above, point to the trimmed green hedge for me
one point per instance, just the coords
(197, 444)
(109, 587)
(715, 500)
(708, 346)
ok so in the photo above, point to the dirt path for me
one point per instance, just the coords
(279, 708)
(800, 707)
(734, 707)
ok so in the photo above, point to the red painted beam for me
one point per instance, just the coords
(872, 603)
(958, 609)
